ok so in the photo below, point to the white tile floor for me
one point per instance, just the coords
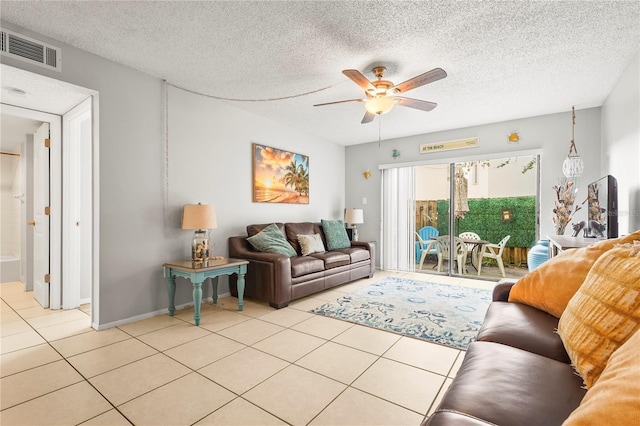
(258, 367)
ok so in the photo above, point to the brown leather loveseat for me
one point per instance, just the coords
(517, 372)
(278, 278)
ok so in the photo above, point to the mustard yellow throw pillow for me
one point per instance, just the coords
(550, 286)
(604, 313)
(615, 398)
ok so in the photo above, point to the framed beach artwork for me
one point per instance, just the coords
(279, 176)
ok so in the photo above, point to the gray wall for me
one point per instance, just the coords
(135, 239)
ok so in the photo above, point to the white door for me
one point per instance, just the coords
(76, 214)
(41, 215)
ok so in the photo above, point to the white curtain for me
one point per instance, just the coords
(398, 219)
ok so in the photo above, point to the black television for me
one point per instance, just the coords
(602, 214)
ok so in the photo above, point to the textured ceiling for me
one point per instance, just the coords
(504, 59)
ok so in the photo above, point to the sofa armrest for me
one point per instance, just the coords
(502, 289)
(372, 252)
(268, 274)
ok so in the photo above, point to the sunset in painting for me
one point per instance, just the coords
(279, 176)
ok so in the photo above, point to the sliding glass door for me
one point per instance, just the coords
(490, 203)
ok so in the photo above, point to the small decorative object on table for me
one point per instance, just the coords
(577, 227)
(201, 218)
(564, 209)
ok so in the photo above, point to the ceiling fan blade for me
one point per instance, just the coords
(420, 80)
(416, 103)
(359, 79)
(368, 117)
(340, 102)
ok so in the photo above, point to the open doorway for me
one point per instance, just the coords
(73, 277)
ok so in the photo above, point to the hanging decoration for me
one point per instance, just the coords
(573, 166)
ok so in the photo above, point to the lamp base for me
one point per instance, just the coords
(355, 234)
(200, 246)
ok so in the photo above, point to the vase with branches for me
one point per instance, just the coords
(565, 206)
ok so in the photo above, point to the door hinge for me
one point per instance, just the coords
(47, 143)
(47, 211)
(47, 278)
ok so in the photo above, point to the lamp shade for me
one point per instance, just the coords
(379, 104)
(199, 216)
(353, 216)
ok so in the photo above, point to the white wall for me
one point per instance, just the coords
(621, 144)
(549, 133)
(10, 185)
(432, 181)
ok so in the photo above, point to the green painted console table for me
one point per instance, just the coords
(197, 272)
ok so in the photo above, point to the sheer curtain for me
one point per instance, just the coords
(398, 224)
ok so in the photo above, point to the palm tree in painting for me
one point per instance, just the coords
(303, 180)
(291, 177)
(297, 177)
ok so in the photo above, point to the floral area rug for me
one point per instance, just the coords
(440, 313)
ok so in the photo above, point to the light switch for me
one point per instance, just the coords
(364, 201)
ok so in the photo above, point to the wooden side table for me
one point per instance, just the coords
(197, 272)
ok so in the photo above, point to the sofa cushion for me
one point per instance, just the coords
(332, 259)
(271, 240)
(551, 285)
(604, 313)
(523, 327)
(335, 234)
(613, 400)
(503, 385)
(356, 254)
(310, 244)
(303, 265)
(293, 229)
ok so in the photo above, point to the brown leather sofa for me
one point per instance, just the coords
(279, 279)
(515, 373)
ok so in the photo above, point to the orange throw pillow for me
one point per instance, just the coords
(604, 313)
(550, 286)
(615, 398)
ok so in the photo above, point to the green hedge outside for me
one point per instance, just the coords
(485, 219)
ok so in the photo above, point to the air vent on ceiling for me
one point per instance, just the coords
(31, 50)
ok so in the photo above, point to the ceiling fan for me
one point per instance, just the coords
(382, 95)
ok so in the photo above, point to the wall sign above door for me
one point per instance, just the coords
(427, 148)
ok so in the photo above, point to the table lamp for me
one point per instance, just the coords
(354, 217)
(201, 218)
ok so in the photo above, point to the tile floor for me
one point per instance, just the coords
(259, 367)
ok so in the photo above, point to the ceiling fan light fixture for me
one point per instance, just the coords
(379, 105)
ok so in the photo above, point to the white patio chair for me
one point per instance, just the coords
(493, 251)
(473, 250)
(459, 252)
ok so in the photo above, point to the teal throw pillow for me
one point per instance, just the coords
(271, 240)
(335, 234)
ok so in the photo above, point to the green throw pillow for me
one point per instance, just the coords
(271, 240)
(335, 234)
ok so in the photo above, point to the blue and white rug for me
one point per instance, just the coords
(440, 313)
